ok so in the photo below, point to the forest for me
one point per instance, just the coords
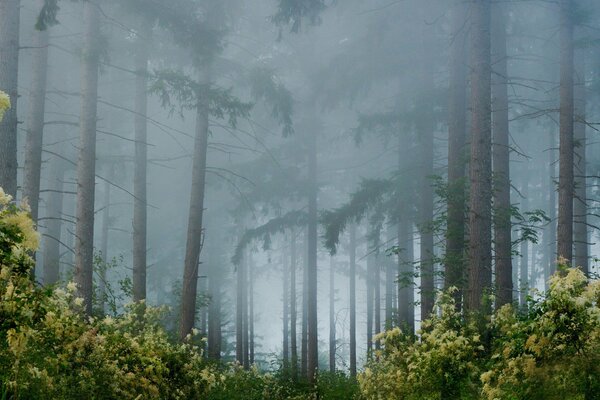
(300, 199)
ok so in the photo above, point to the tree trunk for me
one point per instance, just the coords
(245, 309)
(293, 309)
(304, 333)
(204, 308)
(104, 242)
(457, 127)
(286, 322)
(9, 74)
(377, 297)
(239, 313)
(313, 351)
(214, 315)
(370, 301)
(551, 229)
(480, 210)
(406, 290)
(524, 261)
(501, 161)
(580, 229)
(389, 286)
(35, 126)
(52, 239)
(352, 251)
(250, 315)
(331, 315)
(86, 165)
(140, 167)
(195, 231)
(566, 148)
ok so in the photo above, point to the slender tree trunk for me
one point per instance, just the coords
(389, 286)
(214, 315)
(455, 234)
(9, 74)
(524, 260)
(35, 126)
(286, 299)
(313, 351)
(86, 165)
(140, 167)
(195, 230)
(239, 313)
(377, 297)
(293, 309)
(104, 241)
(370, 301)
(245, 314)
(352, 251)
(406, 293)
(204, 308)
(552, 226)
(332, 343)
(250, 318)
(480, 210)
(304, 333)
(501, 162)
(54, 206)
(566, 148)
(580, 229)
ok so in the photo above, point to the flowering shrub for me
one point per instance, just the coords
(440, 364)
(553, 352)
(48, 350)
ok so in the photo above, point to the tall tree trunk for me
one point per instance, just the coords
(293, 308)
(501, 161)
(104, 241)
(250, 317)
(286, 299)
(480, 210)
(377, 297)
(304, 333)
(195, 231)
(35, 126)
(245, 309)
(524, 260)
(140, 167)
(331, 315)
(406, 289)
(204, 308)
(370, 301)
(580, 229)
(389, 285)
(457, 128)
(566, 148)
(9, 74)
(86, 165)
(52, 239)
(352, 254)
(239, 312)
(551, 230)
(313, 351)
(214, 314)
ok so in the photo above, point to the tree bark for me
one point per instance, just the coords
(35, 126)
(214, 314)
(293, 308)
(54, 206)
(551, 230)
(286, 321)
(370, 301)
(377, 297)
(480, 215)
(332, 343)
(389, 285)
(141, 157)
(239, 313)
(406, 293)
(304, 333)
(104, 241)
(313, 351)
(195, 230)
(250, 314)
(457, 127)
(9, 74)
(86, 165)
(501, 161)
(352, 254)
(566, 148)
(580, 229)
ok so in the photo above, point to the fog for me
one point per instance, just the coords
(323, 117)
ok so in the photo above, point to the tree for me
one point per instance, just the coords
(566, 148)
(86, 164)
(9, 71)
(501, 162)
(480, 168)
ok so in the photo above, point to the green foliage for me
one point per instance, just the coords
(292, 12)
(264, 232)
(172, 85)
(552, 352)
(266, 87)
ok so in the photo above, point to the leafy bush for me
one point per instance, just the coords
(553, 352)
